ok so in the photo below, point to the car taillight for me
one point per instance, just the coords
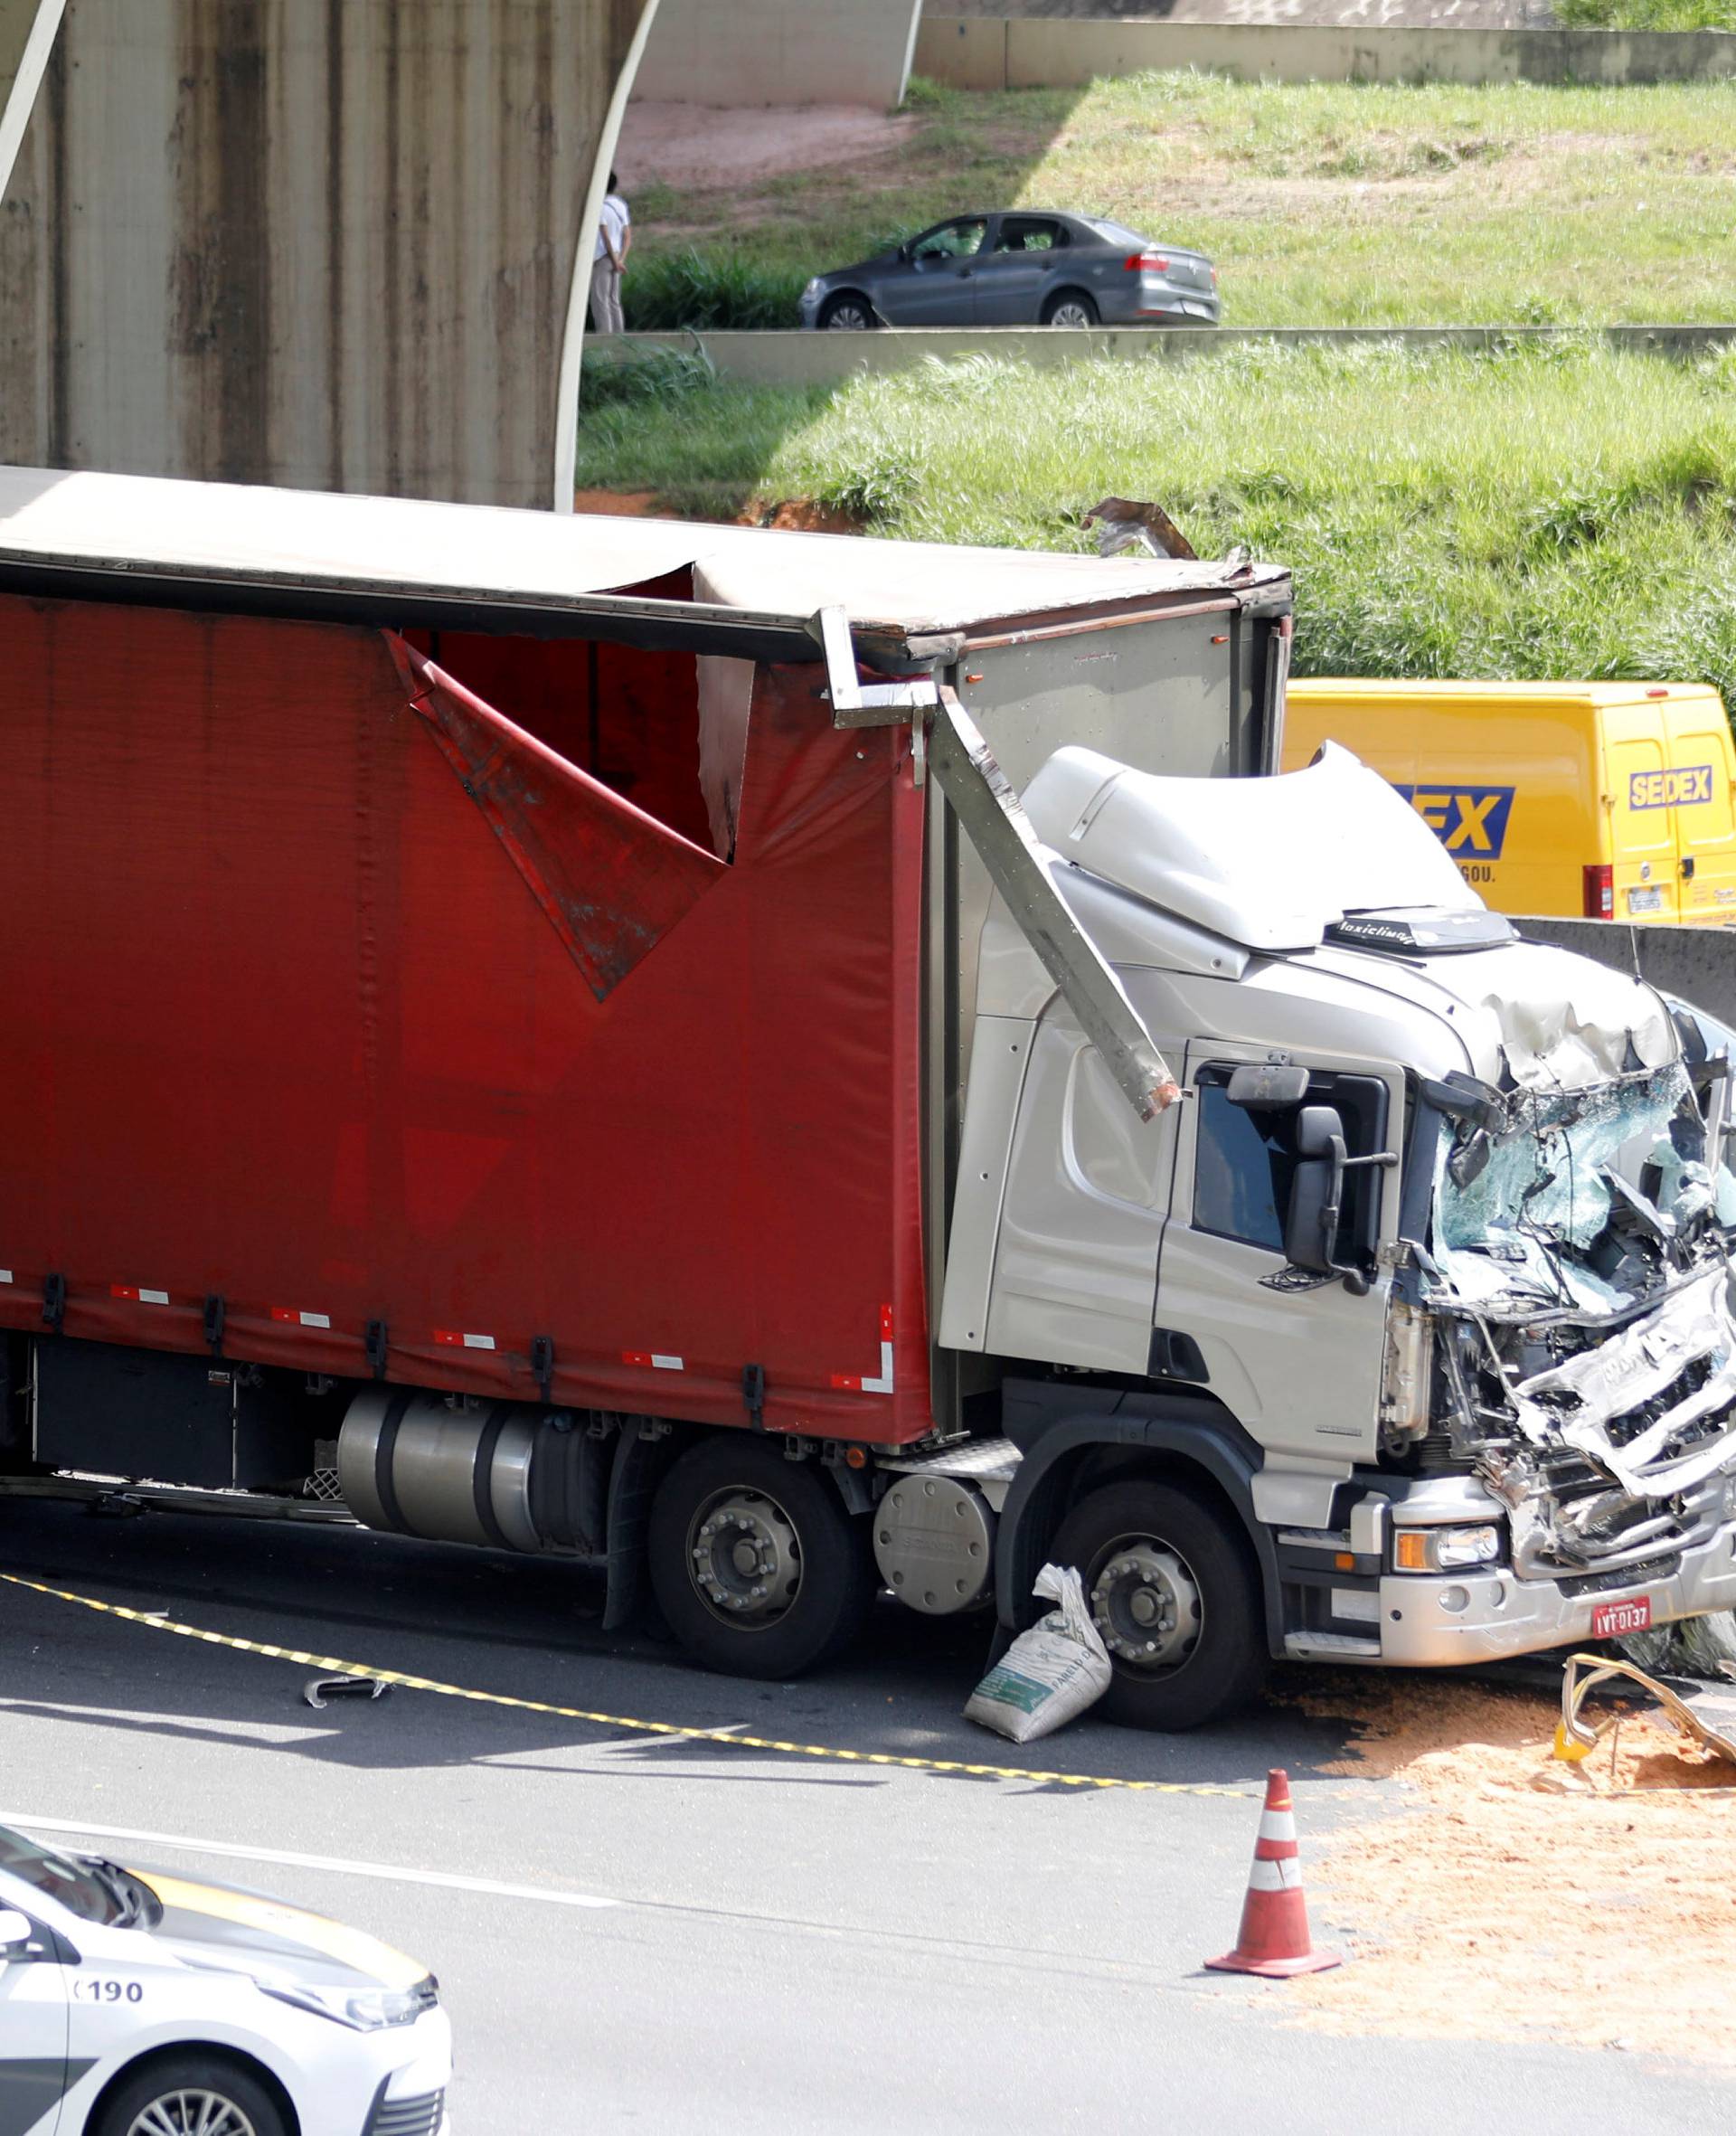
(1599, 880)
(1146, 262)
(1214, 277)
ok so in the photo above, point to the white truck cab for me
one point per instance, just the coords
(1419, 1296)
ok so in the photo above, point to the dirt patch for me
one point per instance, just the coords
(799, 514)
(623, 503)
(1495, 1910)
(697, 149)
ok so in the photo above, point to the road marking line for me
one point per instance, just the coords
(283, 1860)
(329, 1665)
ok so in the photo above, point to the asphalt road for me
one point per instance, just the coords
(786, 1943)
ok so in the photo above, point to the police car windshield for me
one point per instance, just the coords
(81, 1887)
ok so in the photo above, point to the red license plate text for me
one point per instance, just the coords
(1611, 1619)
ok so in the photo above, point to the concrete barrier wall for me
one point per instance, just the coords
(330, 247)
(780, 51)
(983, 53)
(798, 358)
(1697, 963)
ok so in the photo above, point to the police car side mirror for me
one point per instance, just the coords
(16, 1932)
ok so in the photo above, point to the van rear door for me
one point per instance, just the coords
(1642, 826)
(1702, 766)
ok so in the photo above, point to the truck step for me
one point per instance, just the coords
(1330, 1646)
(982, 1460)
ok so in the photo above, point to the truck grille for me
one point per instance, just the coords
(419, 2116)
(1633, 1575)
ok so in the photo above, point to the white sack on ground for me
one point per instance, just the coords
(1049, 1674)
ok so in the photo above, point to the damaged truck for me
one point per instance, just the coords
(782, 1069)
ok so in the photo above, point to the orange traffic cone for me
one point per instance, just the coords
(1274, 1938)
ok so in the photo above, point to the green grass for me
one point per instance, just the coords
(1323, 204)
(1544, 512)
(1647, 14)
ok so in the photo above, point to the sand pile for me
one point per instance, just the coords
(1494, 1909)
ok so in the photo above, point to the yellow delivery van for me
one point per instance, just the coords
(1608, 800)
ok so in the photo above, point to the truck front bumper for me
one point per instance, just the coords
(1447, 1620)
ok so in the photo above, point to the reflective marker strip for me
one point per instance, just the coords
(1278, 1824)
(454, 1340)
(654, 1359)
(140, 1297)
(5, 1275)
(283, 1312)
(1285, 1876)
(851, 1384)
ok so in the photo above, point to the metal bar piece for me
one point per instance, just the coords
(995, 822)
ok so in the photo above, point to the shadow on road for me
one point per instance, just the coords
(522, 1628)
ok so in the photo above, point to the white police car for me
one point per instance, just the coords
(136, 2003)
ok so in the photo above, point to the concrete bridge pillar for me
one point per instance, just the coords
(336, 244)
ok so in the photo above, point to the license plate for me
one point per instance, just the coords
(1611, 1620)
(1646, 901)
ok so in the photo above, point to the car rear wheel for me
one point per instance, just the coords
(755, 1564)
(1069, 307)
(848, 315)
(190, 2095)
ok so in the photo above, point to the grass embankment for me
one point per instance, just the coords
(1323, 204)
(1646, 15)
(1541, 513)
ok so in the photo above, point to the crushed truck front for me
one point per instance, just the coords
(1561, 1363)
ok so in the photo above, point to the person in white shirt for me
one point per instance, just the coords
(614, 242)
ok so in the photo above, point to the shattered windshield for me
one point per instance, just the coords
(1580, 1200)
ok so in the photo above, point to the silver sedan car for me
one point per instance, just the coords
(1021, 269)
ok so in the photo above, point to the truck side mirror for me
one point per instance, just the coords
(1316, 1189)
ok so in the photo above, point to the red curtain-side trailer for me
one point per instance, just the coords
(391, 1008)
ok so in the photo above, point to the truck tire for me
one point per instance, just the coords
(1173, 1591)
(754, 1562)
(191, 2092)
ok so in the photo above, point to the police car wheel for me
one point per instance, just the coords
(190, 2095)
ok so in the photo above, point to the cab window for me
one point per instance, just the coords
(1244, 1161)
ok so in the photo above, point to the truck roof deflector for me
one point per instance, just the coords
(994, 819)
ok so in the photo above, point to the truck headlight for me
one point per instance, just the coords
(1445, 1549)
(366, 2010)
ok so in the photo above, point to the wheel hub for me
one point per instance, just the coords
(191, 2113)
(745, 1559)
(1146, 1603)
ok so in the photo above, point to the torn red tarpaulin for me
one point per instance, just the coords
(286, 1027)
(611, 880)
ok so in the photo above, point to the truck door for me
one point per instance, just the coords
(1698, 749)
(1086, 1187)
(1642, 828)
(1294, 1357)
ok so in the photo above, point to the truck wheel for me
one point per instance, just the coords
(754, 1562)
(1173, 1592)
(190, 2095)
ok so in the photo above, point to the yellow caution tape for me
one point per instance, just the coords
(330, 1665)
